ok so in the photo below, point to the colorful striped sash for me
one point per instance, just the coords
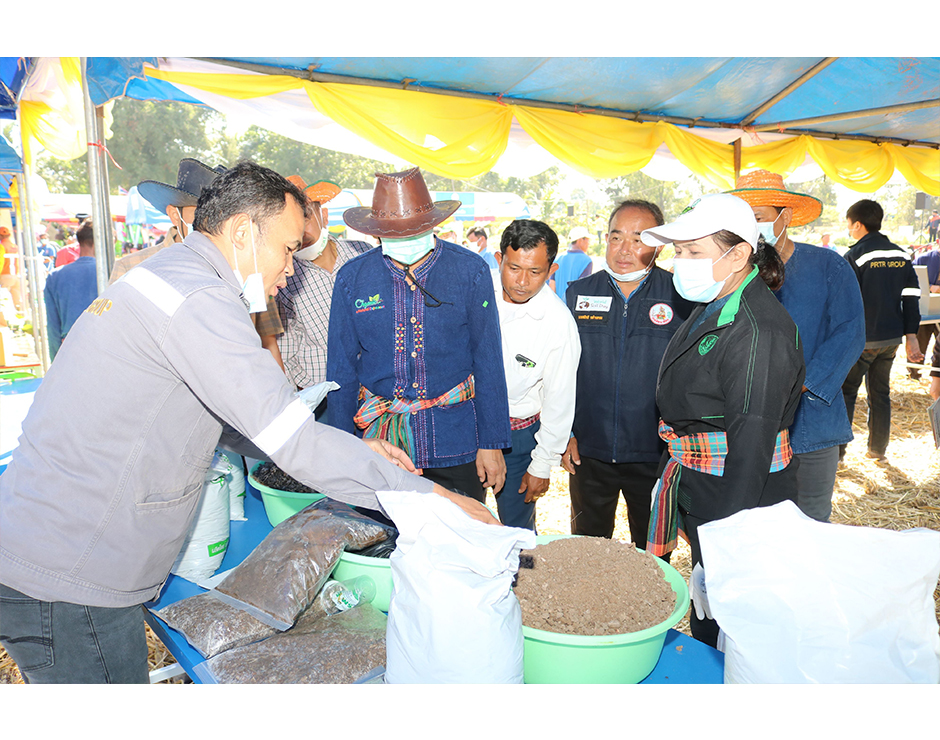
(517, 424)
(390, 418)
(704, 452)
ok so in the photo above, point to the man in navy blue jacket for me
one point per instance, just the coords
(626, 316)
(890, 294)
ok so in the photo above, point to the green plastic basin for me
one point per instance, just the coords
(552, 657)
(379, 570)
(281, 505)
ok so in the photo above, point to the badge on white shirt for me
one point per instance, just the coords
(593, 303)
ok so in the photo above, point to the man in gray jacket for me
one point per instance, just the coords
(164, 366)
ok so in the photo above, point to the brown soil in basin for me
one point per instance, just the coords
(592, 586)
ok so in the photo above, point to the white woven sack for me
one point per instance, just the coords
(453, 617)
(801, 601)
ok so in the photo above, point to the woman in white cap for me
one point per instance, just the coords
(730, 380)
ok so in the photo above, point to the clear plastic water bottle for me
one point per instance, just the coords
(338, 596)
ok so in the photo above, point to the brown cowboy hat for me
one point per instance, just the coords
(401, 207)
(320, 192)
(763, 188)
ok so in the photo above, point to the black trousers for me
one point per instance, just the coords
(460, 478)
(704, 630)
(595, 491)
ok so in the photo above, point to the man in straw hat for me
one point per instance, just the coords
(414, 342)
(100, 493)
(821, 295)
(305, 302)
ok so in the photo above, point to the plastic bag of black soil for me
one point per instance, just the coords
(346, 648)
(211, 626)
(282, 575)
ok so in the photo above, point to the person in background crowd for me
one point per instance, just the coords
(93, 522)
(71, 289)
(476, 241)
(821, 295)
(574, 264)
(933, 225)
(930, 260)
(540, 355)
(729, 383)
(626, 316)
(9, 267)
(305, 302)
(414, 342)
(890, 294)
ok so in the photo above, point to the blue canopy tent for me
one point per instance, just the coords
(10, 165)
(739, 103)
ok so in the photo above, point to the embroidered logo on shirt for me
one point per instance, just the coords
(704, 347)
(372, 303)
(661, 314)
(99, 306)
(592, 303)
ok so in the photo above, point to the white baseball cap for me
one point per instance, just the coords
(578, 232)
(705, 216)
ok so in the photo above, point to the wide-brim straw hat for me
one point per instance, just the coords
(401, 207)
(191, 179)
(763, 188)
(320, 192)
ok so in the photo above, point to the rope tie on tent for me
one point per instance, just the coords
(105, 150)
(499, 99)
(753, 134)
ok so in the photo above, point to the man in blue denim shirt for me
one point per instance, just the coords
(822, 296)
(414, 342)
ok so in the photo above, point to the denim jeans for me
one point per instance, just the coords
(874, 367)
(58, 642)
(815, 479)
(513, 510)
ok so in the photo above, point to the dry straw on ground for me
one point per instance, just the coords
(900, 494)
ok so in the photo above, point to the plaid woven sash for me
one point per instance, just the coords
(704, 452)
(390, 418)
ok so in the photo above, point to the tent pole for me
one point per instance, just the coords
(886, 110)
(805, 77)
(737, 160)
(98, 186)
(33, 264)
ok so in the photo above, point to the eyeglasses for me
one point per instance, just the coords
(426, 294)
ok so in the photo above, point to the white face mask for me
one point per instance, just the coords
(253, 285)
(694, 279)
(314, 250)
(766, 229)
(632, 277)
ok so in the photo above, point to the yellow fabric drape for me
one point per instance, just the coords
(52, 110)
(463, 137)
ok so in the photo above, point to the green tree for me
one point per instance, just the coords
(290, 157)
(671, 197)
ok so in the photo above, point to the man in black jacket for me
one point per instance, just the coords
(890, 294)
(626, 316)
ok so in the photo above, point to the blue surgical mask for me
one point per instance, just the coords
(694, 281)
(766, 229)
(410, 249)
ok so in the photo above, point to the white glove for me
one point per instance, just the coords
(699, 593)
(314, 395)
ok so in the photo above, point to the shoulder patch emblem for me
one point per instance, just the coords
(661, 314)
(705, 346)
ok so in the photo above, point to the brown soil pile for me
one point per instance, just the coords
(592, 586)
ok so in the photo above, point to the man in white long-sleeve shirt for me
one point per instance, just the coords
(541, 349)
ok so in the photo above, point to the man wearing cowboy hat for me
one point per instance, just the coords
(821, 295)
(414, 342)
(178, 202)
(305, 302)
